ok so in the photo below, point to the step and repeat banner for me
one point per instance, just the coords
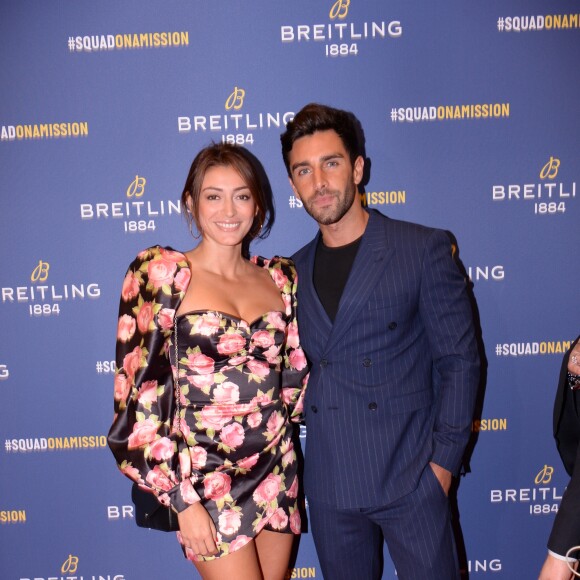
(471, 122)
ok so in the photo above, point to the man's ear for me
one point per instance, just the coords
(358, 169)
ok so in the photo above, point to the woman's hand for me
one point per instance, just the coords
(555, 569)
(574, 360)
(197, 530)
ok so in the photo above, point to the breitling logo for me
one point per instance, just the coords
(339, 9)
(550, 170)
(136, 187)
(236, 99)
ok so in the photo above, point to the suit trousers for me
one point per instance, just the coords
(417, 530)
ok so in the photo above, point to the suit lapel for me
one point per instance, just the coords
(309, 304)
(371, 260)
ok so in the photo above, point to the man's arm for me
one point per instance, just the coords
(448, 319)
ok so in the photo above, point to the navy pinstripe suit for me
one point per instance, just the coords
(393, 380)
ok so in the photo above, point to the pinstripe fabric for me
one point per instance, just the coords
(417, 529)
(393, 381)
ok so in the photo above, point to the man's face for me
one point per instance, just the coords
(322, 176)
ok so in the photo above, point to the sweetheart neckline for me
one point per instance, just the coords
(231, 316)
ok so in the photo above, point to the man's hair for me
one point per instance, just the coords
(315, 117)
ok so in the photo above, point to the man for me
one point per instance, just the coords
(386, 323)
(566, 529)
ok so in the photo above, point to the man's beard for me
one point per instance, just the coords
(332, 215)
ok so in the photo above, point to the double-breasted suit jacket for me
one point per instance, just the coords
(393, 381)
(566, 530)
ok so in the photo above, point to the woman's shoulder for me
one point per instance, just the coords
(276, 263)
(159, 268)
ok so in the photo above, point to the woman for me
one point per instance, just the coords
(564, 541)
(226, 326)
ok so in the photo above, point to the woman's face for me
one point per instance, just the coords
(226, 208)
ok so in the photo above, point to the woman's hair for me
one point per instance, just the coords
(250, 170)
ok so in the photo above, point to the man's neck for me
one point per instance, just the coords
(351, 227)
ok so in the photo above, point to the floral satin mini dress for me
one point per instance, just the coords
(229, 442)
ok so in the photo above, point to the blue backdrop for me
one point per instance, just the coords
(471, 119)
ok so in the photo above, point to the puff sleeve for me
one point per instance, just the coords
(294, 364)
(143, 437)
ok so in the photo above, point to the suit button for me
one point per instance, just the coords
(367, 362)
(314, 409)
(323, 363)
(392, 326)
(373, 406)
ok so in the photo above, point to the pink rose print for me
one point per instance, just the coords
(272, 354)
(227, 393)
(188, 492)
(165, 318)
(287, 299)
(279, 278)
(262, 339)
(171, 255)
(148, 392)
(267, 490)
(125, 328)
(143, 432)
(231, 343)
(258, 367)
(275, 423)
(297, 359)
(292, 491)
(237, 360)
(292, 336)
(248, 462)
(232, 435)
(238, 543)
(288, 394)
(201, 381)
(185, 463)
(130, 287)
(254, 419)
(275, 319)
(199, 363)
(278, 520)
(263, 399)
(122, 387)
(198, 457)
(289, 455)
(180, 425)
(207, 324)
(132, 362)
(132, 472)
(217, 485)
(229, 522)
(161, 272)
(157, 479)
(295, 523)
(162, 449)
(213, 417)
(181, 280)
(144, 317)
